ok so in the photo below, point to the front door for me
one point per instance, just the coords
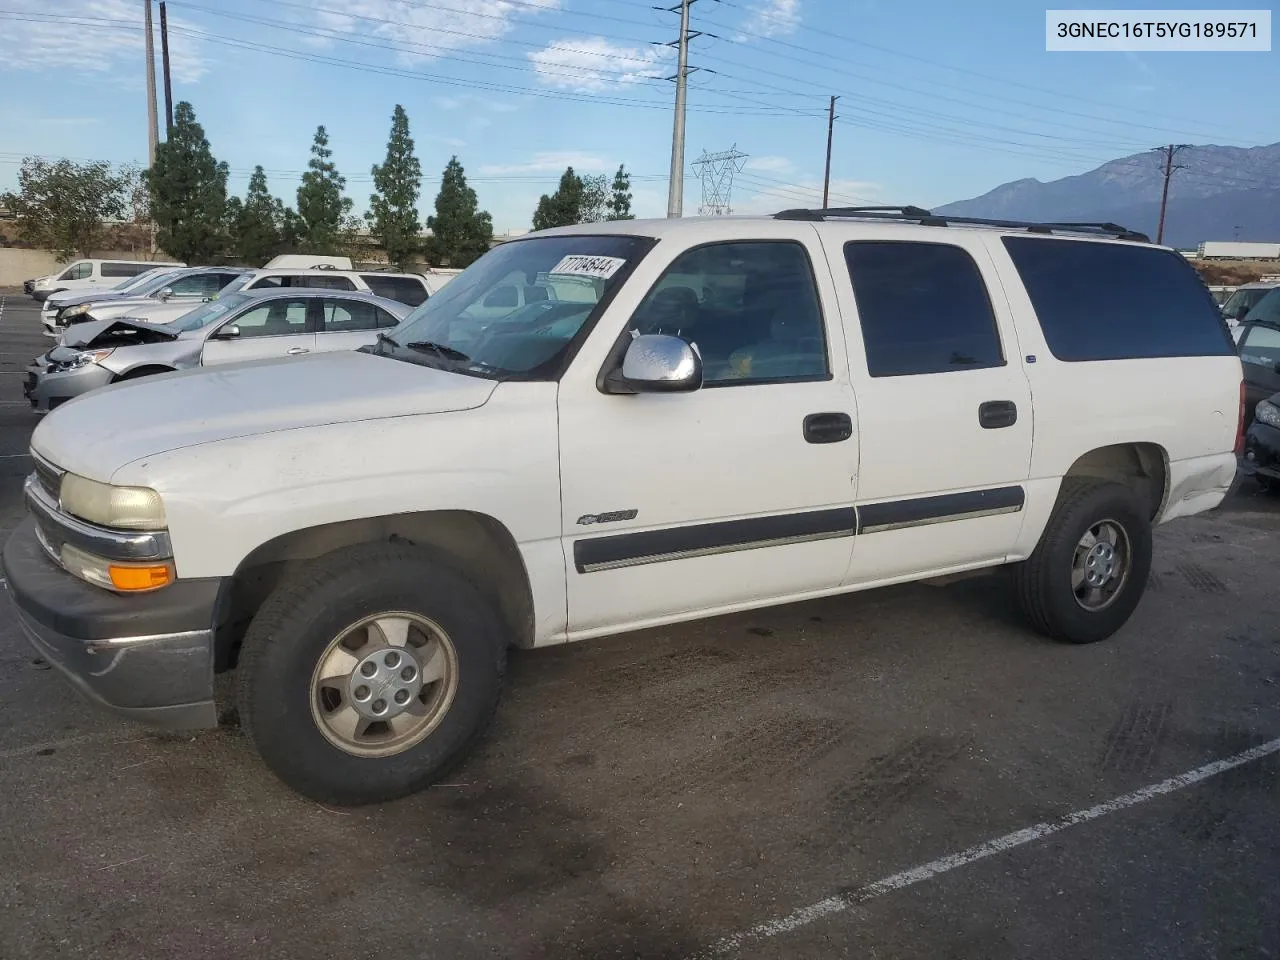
(944, 405)
(729, 496)
(1260, 359)
(277, 328)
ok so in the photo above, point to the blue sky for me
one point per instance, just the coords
(939, 100)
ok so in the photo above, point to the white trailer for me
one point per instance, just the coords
(1239, 250)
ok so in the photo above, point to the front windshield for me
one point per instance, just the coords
(207, 313)
(516, 310)
(1268, 308)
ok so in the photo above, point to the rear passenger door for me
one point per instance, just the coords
(277, 328)
(944, 407)
(350, 324)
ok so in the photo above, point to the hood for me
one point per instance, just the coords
(111, 333)
(96, 434)
(71, 298)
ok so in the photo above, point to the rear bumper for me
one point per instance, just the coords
(148, 656)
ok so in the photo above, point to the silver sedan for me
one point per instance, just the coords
(239, 326)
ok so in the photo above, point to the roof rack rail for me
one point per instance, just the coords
(928, 218)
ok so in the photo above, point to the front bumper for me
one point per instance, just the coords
(45, 390)
(28, 286)
(1262, 450)
(40, 296)
(145, 656)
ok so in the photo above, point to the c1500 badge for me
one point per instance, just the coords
(589, 518)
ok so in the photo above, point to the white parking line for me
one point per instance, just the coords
(839, 904)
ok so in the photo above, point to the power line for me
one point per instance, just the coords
(1003, 81)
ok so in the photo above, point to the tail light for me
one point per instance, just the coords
(1240, 423)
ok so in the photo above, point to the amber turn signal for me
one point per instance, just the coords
(140, 577)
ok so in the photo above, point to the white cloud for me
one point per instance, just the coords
(422, 31)
(772, 18)
(592, 64)
(769, 164)
(551, 163)
(107, 42)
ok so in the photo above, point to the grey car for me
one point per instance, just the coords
(236, 327)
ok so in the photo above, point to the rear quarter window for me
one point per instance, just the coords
(1115, 301)
(404, 289)
(110, 269)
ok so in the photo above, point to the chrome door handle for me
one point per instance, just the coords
(296, 350)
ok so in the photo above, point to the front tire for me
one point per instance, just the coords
(367, 675)
(1090, 569)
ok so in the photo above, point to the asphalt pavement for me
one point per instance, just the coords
(903, 773)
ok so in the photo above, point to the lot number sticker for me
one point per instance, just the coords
(576, 265)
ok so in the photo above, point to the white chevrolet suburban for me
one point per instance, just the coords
(743, 412)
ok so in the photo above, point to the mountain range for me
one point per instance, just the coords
(1220, 193)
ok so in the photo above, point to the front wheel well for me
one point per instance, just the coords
(1142, 467)
(474, 544)
(137, 372)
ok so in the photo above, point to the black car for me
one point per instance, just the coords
(1259, 347)
(1262, 444)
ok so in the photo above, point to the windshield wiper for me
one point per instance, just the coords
(439, 349)
(383, 338)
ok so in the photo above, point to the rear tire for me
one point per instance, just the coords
(302, 696)
(1090, 569)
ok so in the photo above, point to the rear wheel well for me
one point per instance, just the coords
(137, 372)
(1142, 467)
(476, 545)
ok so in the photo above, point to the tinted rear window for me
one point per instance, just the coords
(1113, 301)
(404, 289)
(923, 308)
(111, 269)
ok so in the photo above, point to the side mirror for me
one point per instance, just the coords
(657, 363)
(165, 294)
(229, 332)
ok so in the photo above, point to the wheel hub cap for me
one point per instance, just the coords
(1100, 564)
(384, 684)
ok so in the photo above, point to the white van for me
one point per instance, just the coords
(88, 275)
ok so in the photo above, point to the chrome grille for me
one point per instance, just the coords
(48, 476)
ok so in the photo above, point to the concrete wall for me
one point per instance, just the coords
(17, 265)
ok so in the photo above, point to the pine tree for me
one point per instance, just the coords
(620, 201)
(393, 205)
(257, 226)
(322, 208)
(562, 208)
(188, 192)
(460, 232)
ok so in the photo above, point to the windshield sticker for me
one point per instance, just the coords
(577, 265)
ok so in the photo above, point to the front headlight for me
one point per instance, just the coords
(74, 311)
(126, 508)
(1268, 413)
(82, 359)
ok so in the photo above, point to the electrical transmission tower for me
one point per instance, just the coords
(717, 170)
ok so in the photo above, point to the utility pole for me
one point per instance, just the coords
(164, 60)
(1169, 153)
(675, 190)
(152, 133)
(826, 177)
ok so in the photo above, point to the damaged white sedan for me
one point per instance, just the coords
(237, 327)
